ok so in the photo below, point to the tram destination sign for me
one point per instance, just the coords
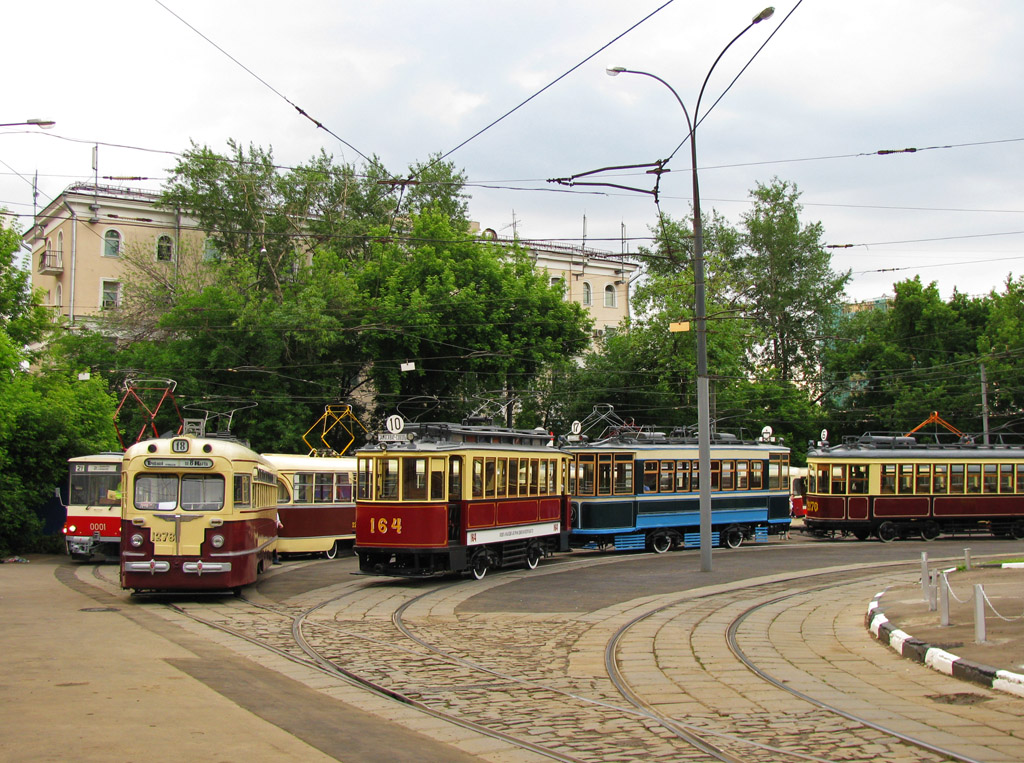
(179, 463)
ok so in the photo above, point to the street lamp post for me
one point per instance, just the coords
(700, 305)
(45, 124)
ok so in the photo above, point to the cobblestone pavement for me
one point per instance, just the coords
(673, 658)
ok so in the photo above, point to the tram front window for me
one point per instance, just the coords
(156, 492)
(159, 492)
(202, 492)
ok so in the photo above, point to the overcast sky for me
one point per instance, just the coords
(835, 83)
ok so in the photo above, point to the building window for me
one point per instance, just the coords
(164, 249)
(59, 299)
(588, 294)
(210, 251)
(60, 244)
(609, 296)
(112, 243)
(111, 296)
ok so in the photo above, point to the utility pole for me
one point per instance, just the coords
(984, 405)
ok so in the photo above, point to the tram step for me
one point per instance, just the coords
(760, 535)
(692, 540)
(632, 541)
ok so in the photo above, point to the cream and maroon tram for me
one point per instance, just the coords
(896, 486)
(316, 507)
(447, 498)
(92, 523)
(198, 514)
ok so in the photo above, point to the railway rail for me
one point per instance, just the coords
(536, 687)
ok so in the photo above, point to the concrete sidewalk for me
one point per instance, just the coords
(81, 681)
(902, 617)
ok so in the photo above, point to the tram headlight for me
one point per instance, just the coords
(136, 540)
(217, 541)
(72, 528)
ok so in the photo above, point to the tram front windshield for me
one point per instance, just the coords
(189, 492)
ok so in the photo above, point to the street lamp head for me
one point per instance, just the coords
(614, 71)
(45, 124)
(765, 14)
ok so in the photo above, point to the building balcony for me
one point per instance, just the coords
(51, 263)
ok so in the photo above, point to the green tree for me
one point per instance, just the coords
(46, 417)
(793, 293)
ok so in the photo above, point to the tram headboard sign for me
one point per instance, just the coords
(179, 463)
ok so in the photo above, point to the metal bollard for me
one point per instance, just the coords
(932, 590)
(924, 575)
(943, 600)
(979, 614)
(967, 558)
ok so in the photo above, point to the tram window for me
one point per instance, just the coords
(716, 475)
(956, 478)
(323, 490)
(905, 482)
(940, 478)
(757, 475)
(1005, 478)
(242, 493)
(1020, 478)
(650, 476)
(552, 477)
(604, 474)
(623, 475)
(205, 492)
(778, 473)
(282, 492)
(478, 478)
(364, 479)
(437, 474)
(342, 486)
(455, 477)
(667, 478)
(524, 464)
(414, 479)
(923, 484)
(542, 476)
(156, 492)
(534, 476)
(489, 472)
(501, 483)
(741, 475)
(728, 470)
(991, 480)
(858, 479)
(302, 484)
(513, 477)
(973, 478)
(683, 477)
(695, 475)
(838, 479)
(387, 479)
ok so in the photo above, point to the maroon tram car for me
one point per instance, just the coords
(438, 498)
(897, 486)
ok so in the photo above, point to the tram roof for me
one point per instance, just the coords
(895, 446)
(300, 462)
(653, 440)
(435, 435)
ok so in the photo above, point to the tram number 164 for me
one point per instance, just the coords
(380, 526)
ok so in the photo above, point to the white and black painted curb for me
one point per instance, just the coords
(939, 659)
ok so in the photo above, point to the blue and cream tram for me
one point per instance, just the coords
(445, 498)
(639, 489)
(198, 514)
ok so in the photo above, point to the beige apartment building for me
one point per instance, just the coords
(81, 241)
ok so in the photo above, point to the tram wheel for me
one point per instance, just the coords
(533, 556)
(733, 537)
(332, 552)
(861, 534)
(1017, 530)
(930, 530)
(480, 564)
(887, 532)
(661, 543)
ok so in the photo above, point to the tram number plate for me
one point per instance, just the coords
(165, 536)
